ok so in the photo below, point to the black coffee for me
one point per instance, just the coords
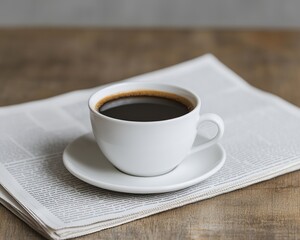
(144, 106)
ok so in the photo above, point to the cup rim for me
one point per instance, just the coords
(143, 86)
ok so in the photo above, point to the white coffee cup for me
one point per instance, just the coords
(149, 148)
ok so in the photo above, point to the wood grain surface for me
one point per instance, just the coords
(39, 63)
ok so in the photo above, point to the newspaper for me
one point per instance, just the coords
(262, 141)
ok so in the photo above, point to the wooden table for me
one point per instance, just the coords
(39, 63)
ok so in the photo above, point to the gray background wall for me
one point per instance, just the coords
(140, 13)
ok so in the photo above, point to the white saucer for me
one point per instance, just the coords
(85, 161)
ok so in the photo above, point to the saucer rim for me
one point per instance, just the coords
(140, 189)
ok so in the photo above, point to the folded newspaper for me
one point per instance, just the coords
(262, 141)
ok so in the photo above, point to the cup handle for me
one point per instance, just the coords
(218, 121)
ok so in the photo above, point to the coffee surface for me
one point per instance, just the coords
(144, 106)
